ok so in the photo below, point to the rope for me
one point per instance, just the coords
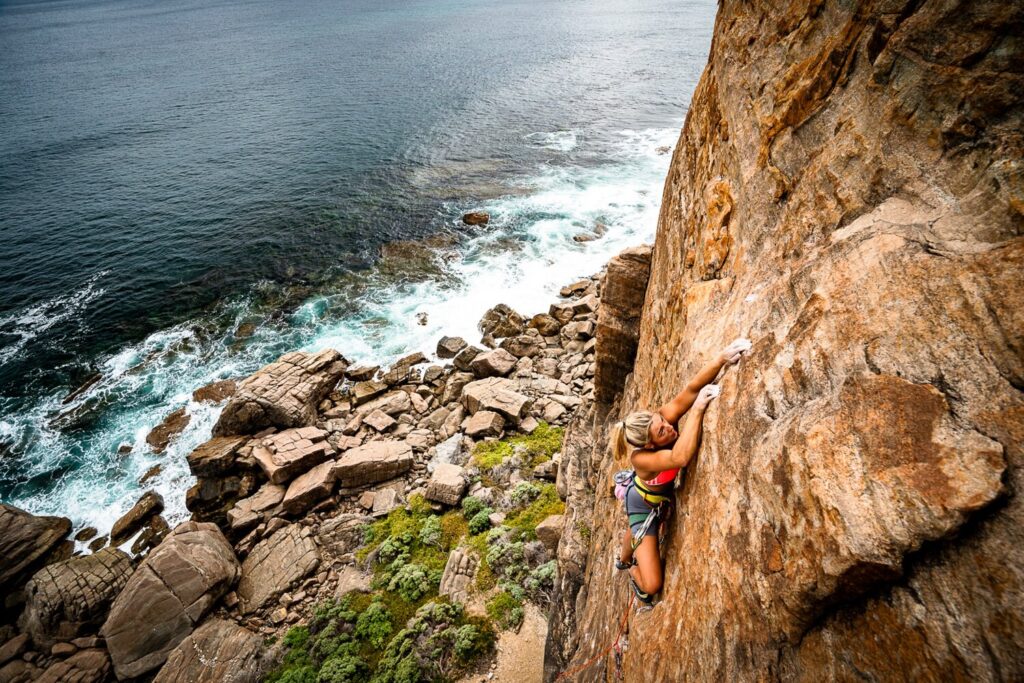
(622, 628)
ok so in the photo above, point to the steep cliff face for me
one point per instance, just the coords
(847, 192)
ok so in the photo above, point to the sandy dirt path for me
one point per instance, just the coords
(520, 655)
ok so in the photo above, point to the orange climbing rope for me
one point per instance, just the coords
(622, 628)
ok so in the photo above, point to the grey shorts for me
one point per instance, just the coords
(637, 510)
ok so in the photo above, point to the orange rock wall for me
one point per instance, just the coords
(847, 192)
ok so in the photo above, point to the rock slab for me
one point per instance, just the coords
(170, 592)
(284, 394)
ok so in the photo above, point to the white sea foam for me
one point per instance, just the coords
(559, 140)
(522, 258)
(25, 324)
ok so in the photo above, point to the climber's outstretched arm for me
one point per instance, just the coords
(677, 407)
(647, 462)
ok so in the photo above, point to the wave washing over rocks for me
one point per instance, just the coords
(84, 453)
(304, 454)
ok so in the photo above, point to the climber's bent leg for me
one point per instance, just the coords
(647, 572)
(626, 551)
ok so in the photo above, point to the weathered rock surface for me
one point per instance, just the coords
(151, 503)
(449, 347)
(497, 395)
(496, 363)
(549, 532)
(170, 592)
(342, 534)
(215, 392)
(618, 320)
(484, 423)
(446, 484)
(283, 394)
(287, 454)
(287, 556)
(373, 462)
(218, 651)
(458, 574)
(844, 518)
(163, 433)
(476, 218)
(501, 321)
(25, 541)
(216, 456)
(71, 598)
(85, 666)
(309, 488)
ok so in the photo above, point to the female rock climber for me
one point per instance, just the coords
(657, 452)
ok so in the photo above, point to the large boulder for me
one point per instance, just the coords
(216, 456)
(446, 484)
(459, 571)
(373, 462)
(284, 394)
(287, 556)
(170, 592)
(496, 363)
(497, 395)
(91, 665)
(215, 652)
(130, 523)
(69, 599)
(287, 454)
(25, 542)
(343, 533)
(501, 321)
(310, 488)
(163, 433)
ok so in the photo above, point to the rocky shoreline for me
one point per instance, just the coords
(307, 452)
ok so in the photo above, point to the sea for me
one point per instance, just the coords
(191, 188)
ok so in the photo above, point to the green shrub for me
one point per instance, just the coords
(508, 560)
(374, 625)
(536, 448)
(430, 531)
(541, 581)
(413, 581)
(471, 505)
(481, 521)
(526, 520)
(302, 674)
(343, 669)
(523, 494)
(505, 610)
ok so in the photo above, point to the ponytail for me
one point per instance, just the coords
(618, 441)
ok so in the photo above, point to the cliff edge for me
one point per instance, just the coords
(847, 192)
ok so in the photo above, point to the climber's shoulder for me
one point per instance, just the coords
(648, 463)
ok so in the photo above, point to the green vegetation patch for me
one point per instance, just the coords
(357, 639)
(536, 448)
(505, 610)
(545, 503)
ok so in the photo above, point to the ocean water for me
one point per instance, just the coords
(189, 189)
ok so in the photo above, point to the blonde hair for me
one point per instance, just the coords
(632, 431)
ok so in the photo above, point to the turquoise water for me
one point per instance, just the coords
(189, 189)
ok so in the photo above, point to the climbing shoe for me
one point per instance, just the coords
(620, 565)
(645, 598)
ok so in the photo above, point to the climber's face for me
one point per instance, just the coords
(662, 433)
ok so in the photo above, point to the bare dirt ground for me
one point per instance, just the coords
(520, 656)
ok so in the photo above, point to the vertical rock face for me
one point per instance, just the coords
(618, 320)
(847, 192)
